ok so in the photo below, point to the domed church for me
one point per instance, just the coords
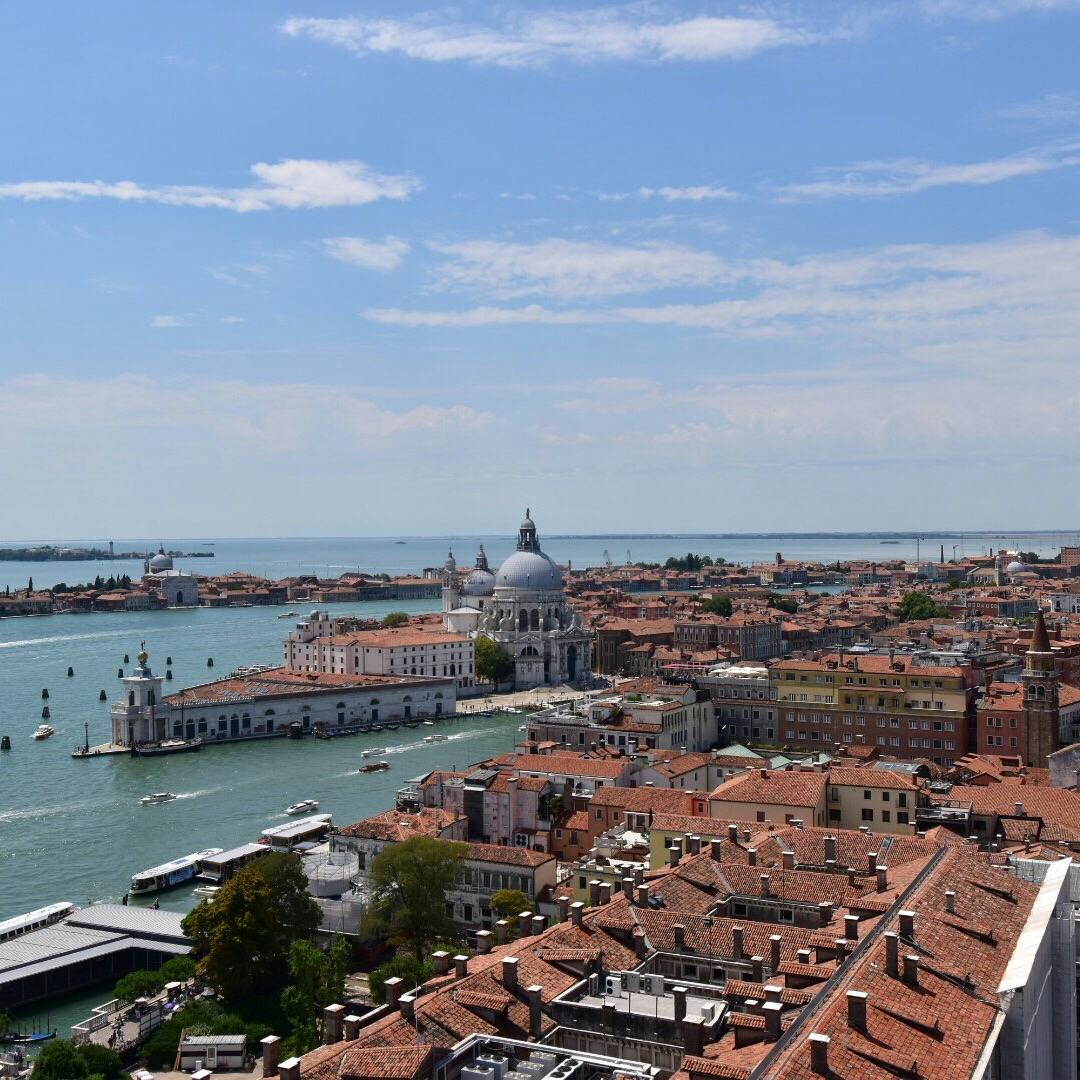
(523, 607)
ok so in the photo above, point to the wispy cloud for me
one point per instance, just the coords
(170, 322)
(877, 179)
(1050, 111)
(698, 193)
(994, 10)
(532, 39)
(571, 268)
(291, 184)
(371, 254)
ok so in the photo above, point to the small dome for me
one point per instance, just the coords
(1015, 567)
(451, 563)
(160, 561)
(479, 583)
(529, 570)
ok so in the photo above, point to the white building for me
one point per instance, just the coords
(522, 607)
(178, 588)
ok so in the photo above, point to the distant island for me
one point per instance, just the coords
(51, 553)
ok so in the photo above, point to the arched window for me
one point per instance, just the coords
(407, 697)
(453, 670)
(269, 712)
(374, 701)
(340, 705)
(523, 620)
(131, 699)
(153, 698)
(535, 619)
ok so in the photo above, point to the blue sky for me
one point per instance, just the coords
(316, 268)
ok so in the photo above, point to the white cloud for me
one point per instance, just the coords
(993, 10)
(231, 320)
(698, 193)
(572, 268)
(1051, 110)
(169, 322)
(371, 254)
(1015, 296)
(532, 39)
(875, 179)
(291, 184)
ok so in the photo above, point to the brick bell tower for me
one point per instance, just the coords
(1039, 680)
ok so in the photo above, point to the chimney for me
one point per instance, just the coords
(440, 962)
(746, 836)
(680, 937)
(950, 901)
(643, 895)
(406, 1003)
(352, 1027)
(539, 922)
(856, 1009)
(774, 951)
(483, 942)
(737, 941)
(640, 945)
(830, 848)
(576, 909)
(803, 956)
(594, 896)
(773, 992)
(733, 833)
(819, 1053)
(851, 927)
(772, 1010)
(502, 932)
(674, 855)
(824, 913)
(764, 773)
(693, 844)
(628, 889)
(765, 884)
(525, 923)
(461, 966)
(911, 969)
(333, 1019)
(751, 856)
(830, 866)
(716, 849)
(564, 906)
(788, 858)
(678, 997)
(639, 875)
(871, 862)
(605, 897)
(393, 987)
(882, 877)
(509, 972)
(851, 876)
(892, 954)
(758, 966)
(693, 1035)
(289, 1070)
(271, 1054)
(1019, 809)
(535, 1015)
(907, 925)
(840, 946)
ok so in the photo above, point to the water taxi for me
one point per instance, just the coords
(286, 837)
(302, 807)
(429, 723)
(172, 873)
(43, 731)
(34, 920)
(287, 615)
(157, 797)
(436, 738)
(217, 869)
(206, 890)
(375, 766)
(373, 752)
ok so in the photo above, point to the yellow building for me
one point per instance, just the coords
(778, 796)
(880, 799)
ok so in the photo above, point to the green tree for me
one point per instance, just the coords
(493, 663)
(318, 980)
(138, 984)
(408, 884)
(404, 966)
(717, 605)
(242, 939)
(103, 1062)
(5, 1021)
(395, 618)
(782, 603)
(918, 605)
(59, 1060)
(179, 969)
(509, 903)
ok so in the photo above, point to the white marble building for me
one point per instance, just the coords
(523, 607)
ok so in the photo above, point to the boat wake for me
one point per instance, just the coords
(22, 643)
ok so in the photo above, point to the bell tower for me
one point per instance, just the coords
(1040, 689)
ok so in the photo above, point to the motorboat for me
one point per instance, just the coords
(157, 797)
(206, 890)
(436, 738)
(429, 723)
(374, 766)
(287, 615)
(44, 731)
(170, 874)
(373, 752)
(304, 806)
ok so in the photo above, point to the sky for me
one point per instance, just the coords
(283, 269)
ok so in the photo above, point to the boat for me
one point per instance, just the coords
(429, 723)
(302, 807)
(295, 730)
(373, 751)
(15, 1038)
(436, 738)
(167, 746)
(172, 873)
(217, 869)
(286, 837)
(35, 920)
(374, 766)
(5, 742)
(44, 731)
(157, 797)
(206, 890)
(287, 615)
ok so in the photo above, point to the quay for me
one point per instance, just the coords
(94, 945)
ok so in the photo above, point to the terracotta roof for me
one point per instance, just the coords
(871, 778)
(775, 788)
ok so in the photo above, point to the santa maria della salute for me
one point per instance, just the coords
(523, 607)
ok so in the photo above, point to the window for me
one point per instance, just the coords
(885, 815)
(901, 817)
(761, 815)
(867, 814)
(866, 795)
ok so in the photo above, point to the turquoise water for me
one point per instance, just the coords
(332, 556)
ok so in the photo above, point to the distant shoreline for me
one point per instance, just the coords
(49, 554)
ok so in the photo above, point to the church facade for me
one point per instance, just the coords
(522, 606)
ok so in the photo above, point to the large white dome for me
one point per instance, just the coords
(160, 562)
(529, 570)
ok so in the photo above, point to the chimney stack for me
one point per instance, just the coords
(333, 1019)
(393, 988)
(882, 877)
(674, 855)
(525, 923)
(576, 910)
(406, 1003)
(271, 1054)
(757, 964)
(509, 972)
(830, 848)
(564, 906)
(678, 998)
(892, 954)
(856, 1009)
(693, 1035)
(871, 862)
(851, 927)
(483, 942)
(594, 894)
(540, 921)
(605, 896)
(746, 836)
(536, 1016)
(641, 947)
(352, 1027)
(289, 1070)
(819, 1053)
(737, 941)
(440, 961)
(733, 833)
(788, 858)
(950, 901)
(1019, 808)
(502, 932)
(643, 895)
(751, 856)
(680, 937)
(772, 1010)
(716, 849)
(765, 884)
(774, 951)
(628, 888)
(911, 969)
(907, 925)
(461, 966)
